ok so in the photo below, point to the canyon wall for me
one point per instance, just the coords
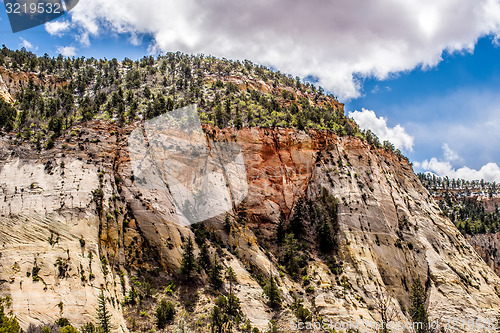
(74, 222)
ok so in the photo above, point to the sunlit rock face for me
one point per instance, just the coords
(170, 155)
(87, 187)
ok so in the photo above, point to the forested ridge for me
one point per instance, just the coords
(60, 92)
(458, 200)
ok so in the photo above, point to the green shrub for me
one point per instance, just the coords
(8, 322)
(165, 312)
(61, 322)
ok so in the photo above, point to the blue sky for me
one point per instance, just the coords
(428, 79)
(455, 103)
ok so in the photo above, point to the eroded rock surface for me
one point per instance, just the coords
(390, 232)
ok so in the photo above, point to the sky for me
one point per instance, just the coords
(423, 74)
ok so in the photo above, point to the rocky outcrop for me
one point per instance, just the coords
(390, 232)
(488, 247)
(12, 81)
(50, 256)
(490, 204)
(4, 91)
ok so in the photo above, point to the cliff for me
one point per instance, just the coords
(488, 246)
(74, 219)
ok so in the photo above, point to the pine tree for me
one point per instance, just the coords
(238, 123)
(103, 315)
(242, 212)
(164, 313)
(88, 328)
(325, 237)
(227, 223)
(272, 293)
(297, 220)
(219, 320)
(290, 257)
(417, 310)
(231, 278)
(215, 274)
(204, 257)
(188, 263)
(8, 322)
(280, 231)
(233, 308)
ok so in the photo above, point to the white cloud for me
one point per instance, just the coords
(489, 172)
(332, 40)
(57, 28)
(367, 119)
(27, 45)
(84, 39)
(67, 51)
(449, 154)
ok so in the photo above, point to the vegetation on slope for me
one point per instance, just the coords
(458, 200)
(62, 91)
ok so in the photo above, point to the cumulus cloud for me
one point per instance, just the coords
(367, 119)
(67, 51)
(334, 41)
(57, 28)
(27, 45)
(489, 172)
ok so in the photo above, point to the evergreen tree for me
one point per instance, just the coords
(302, 313)
(204, 257)
(290, 257)
(188, 263)
(215, 275)
(297, 220)
(280, 230)
(272, 293)
(227, 223)
(231, 278)
(88, 328)
(233, 306)
(238, 123)
(164, 313)
(7, 115)
(325, 237)
(417, 310)
(103, 315)
(242, 212)
(219, 320)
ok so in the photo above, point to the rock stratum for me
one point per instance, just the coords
(73, 220)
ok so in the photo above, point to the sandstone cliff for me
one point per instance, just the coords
(61, 240)
(488, 247)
